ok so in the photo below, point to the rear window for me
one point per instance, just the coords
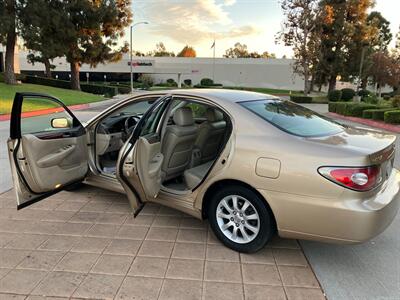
(292, 118)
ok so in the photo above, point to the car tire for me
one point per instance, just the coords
(254, 224)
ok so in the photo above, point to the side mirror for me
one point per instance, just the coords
(61, 123)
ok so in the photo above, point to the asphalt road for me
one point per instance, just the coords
(367, 271)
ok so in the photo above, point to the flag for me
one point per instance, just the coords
(213, 45)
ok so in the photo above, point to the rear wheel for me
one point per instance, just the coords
(240, 219)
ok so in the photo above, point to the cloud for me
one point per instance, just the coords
(190, 22)
(229, 2)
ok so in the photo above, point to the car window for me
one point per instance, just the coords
(136, 107)
(38, 113)
(292, 118)
(198, 109)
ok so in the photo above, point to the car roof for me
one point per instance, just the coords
(227, 95)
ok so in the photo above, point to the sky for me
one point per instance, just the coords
(197, 22)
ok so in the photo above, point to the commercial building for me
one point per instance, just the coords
(249, 72)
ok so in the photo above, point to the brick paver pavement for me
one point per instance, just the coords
(86, 244)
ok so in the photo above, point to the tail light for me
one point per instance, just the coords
(359, 179)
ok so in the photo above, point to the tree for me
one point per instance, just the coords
(32, 59)
(161, 51)
(240, 51)
(8, 36)
(383, 36)
(298, 28)
(87, 30)
(343, 25)
(370, 36)
(381, 72)
(39, 31)
(187, 51)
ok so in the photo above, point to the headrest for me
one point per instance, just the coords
(183, 116)
(214, 115)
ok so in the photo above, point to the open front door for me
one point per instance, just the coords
(47, 147)
(140, 161)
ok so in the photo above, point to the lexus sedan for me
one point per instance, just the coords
(252, 164)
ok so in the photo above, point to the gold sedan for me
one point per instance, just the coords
(250, 163)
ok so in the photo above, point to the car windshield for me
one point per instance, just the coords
(292, 118)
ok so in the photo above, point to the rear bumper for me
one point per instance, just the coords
(348, 219)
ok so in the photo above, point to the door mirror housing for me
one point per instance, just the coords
(61, 123)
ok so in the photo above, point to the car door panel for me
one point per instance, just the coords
(44, 157)
(140, 161)
(54, 161)
(149, 161)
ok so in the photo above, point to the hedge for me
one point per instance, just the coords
(206, 82)
(356, 109)
(392, 117)
(335, 95)
(332, 106)
(109, 91)
(379, 114)
(200, 86)
(341, 108)
(301, 99)
(347, 94)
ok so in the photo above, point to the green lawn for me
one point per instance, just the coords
(68, 97)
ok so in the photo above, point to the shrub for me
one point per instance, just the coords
(357, 109)
(146, 80)
(171, 82)
(97, 89)
(348, 94)
(396, 101)
(301, 99)
(363, 93)
(371, 98)
(392, 117)
(108, 91)
(379, 114)
(341, 108)
(1, 77)
(332, 106)
(188, 82)
(335, 95)
(207, 82)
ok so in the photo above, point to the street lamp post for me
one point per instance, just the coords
(130, 57)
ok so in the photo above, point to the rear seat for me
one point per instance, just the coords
(195, 175)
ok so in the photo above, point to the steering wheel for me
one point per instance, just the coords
(130, 123)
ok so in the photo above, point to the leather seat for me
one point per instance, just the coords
(178, 143)
(210, 135)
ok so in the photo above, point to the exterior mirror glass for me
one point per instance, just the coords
(61, 123)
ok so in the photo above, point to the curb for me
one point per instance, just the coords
(372, 123)
(40, 112)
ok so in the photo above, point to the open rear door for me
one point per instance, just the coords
(47, 147)
(140, 161)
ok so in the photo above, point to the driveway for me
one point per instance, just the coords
(366, 271)
(86, 244)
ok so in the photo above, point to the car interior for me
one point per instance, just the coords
(191, 138)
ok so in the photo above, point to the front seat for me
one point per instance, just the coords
(178, 143)
(210, 135)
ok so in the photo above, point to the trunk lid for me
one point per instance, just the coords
(379, 148)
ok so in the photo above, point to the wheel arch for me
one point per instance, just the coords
(231, 182)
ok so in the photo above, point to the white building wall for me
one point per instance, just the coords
(270, 73)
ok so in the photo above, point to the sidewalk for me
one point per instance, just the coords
(86, 244)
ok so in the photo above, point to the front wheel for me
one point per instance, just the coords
(240, 219)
